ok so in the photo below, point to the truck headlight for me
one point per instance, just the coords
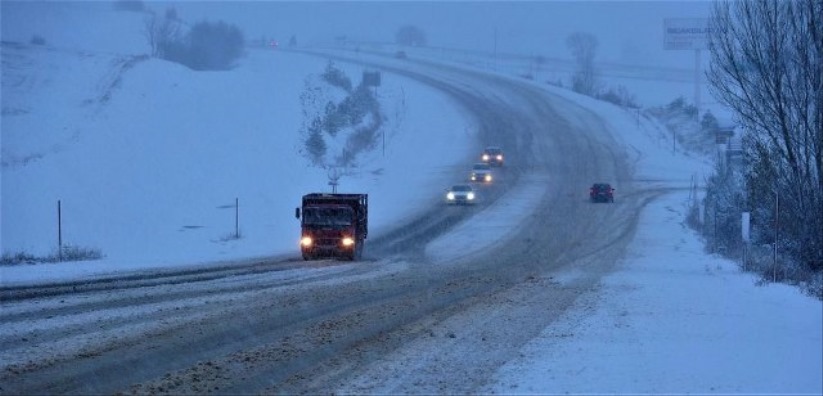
(450, 196)
(305, 241)
(488, 178)
(499, 157)
(485, 157)
(474, 177)
(470, 196)
(348, 241)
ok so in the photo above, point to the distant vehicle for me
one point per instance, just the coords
(400, 55)
(333, 225)
(461, 194)
(493, 155)
(481, 173)
(601, 192)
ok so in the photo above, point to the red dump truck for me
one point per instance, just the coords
(333, 225)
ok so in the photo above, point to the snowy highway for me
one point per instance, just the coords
(286, 326)
(173, 188)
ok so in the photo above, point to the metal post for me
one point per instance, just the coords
(697, 82)
(691, 188)
(494, 56)
(59, 231)
(714, 245)
(237, 218)
(776, 234)
(383, 132)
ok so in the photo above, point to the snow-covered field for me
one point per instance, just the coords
(148, 157)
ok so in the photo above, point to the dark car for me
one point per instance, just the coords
(601, 192)
(493, 155)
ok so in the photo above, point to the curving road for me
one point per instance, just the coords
(396, 323)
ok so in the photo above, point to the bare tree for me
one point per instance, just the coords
(162, 32)
(767, 65)
(583, 47)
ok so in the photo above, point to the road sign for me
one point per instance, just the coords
(685, 33)
(371, 79)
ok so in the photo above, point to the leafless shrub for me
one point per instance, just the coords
(69, 253)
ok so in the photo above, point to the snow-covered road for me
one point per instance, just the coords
(352, 305)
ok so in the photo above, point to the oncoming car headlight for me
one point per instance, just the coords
(499, 157)
(470, 196)
(485, 157)
(305, 241)
(348, 241)
(488, 178)
(450, 196)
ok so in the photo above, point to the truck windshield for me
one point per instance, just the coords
(327, 216)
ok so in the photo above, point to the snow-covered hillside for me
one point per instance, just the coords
(147, 157)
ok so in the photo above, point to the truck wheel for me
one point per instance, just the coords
(307, 257)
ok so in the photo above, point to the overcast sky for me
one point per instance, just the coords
(628, 31)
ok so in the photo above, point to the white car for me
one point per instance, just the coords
(481, 173)
(461, 194)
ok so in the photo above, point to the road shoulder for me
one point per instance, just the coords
(672, 319)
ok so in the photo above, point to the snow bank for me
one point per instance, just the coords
(674, 320)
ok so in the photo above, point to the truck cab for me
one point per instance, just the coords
(333, 225)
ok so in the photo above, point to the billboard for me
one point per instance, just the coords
(685, 33)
